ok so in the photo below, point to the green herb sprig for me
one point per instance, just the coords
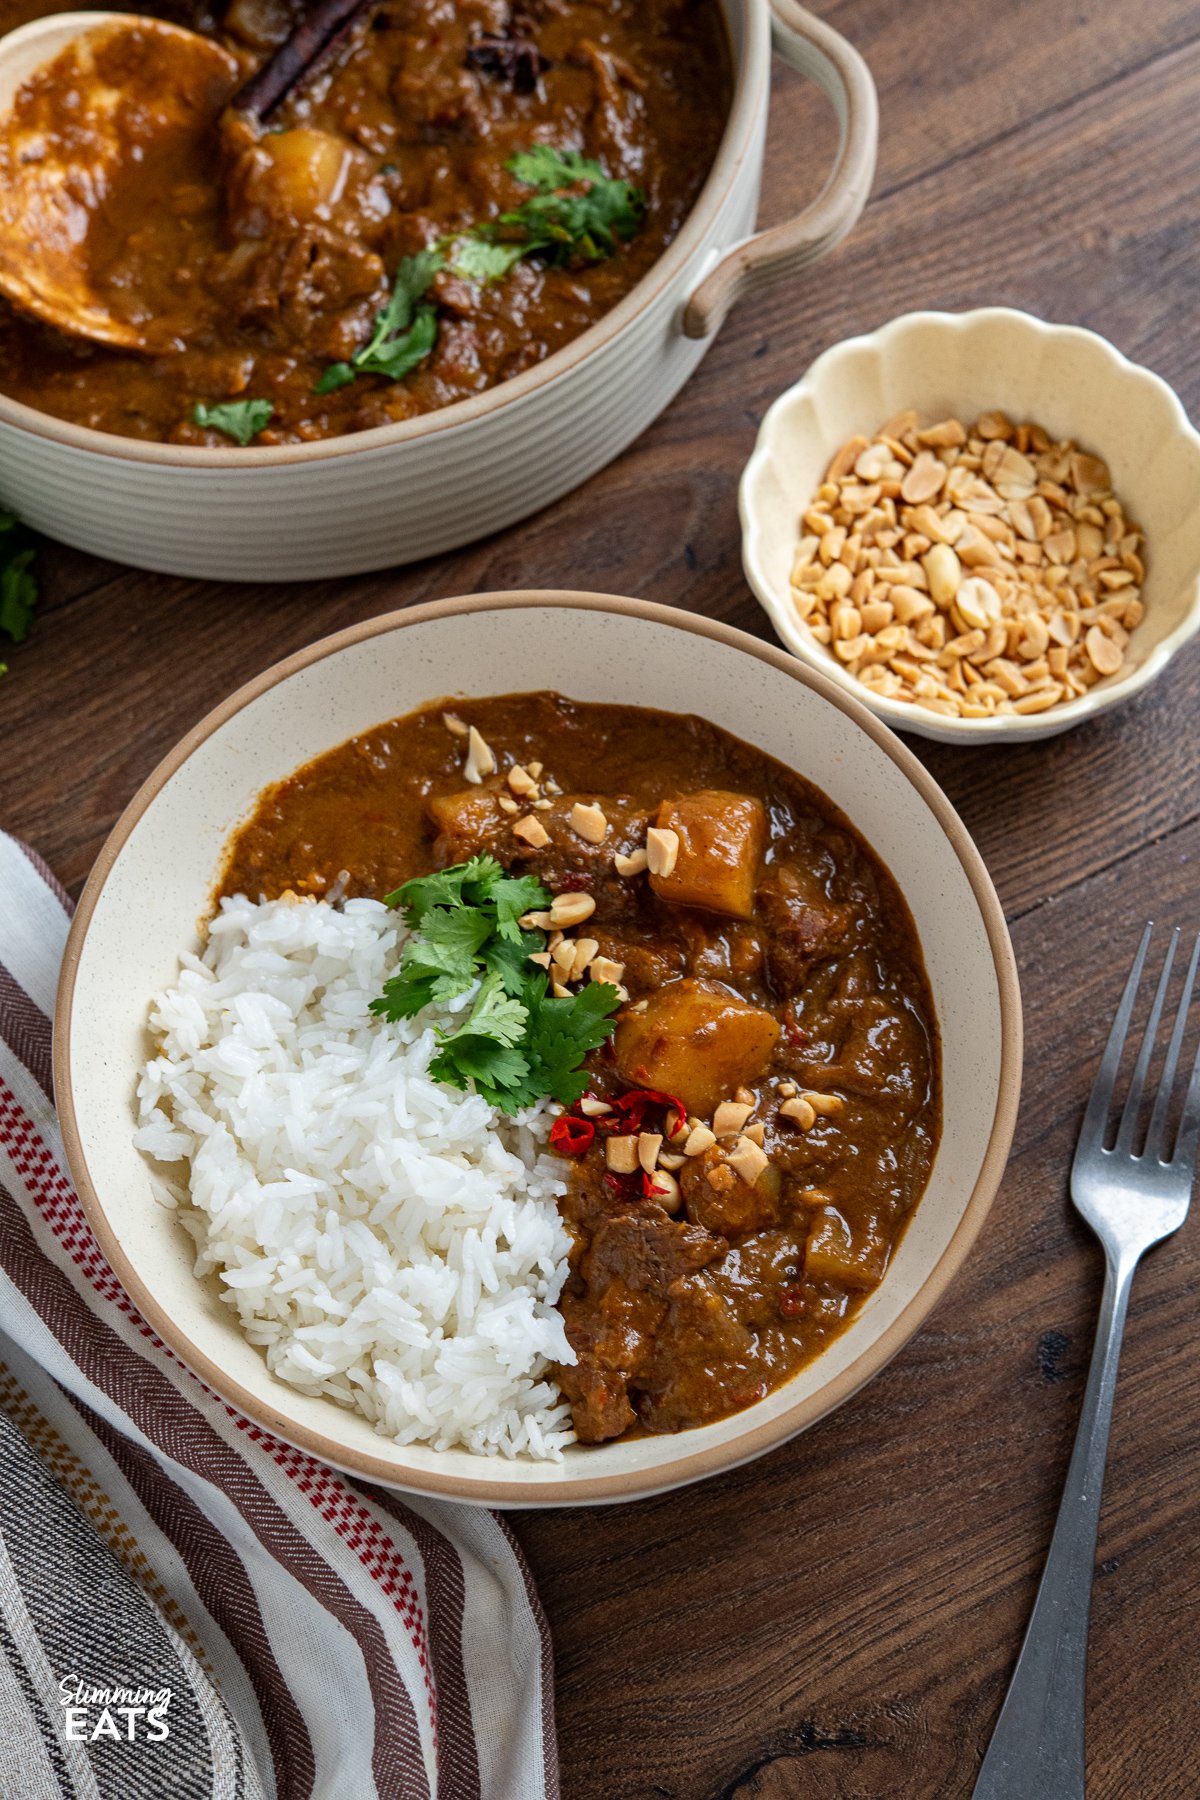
(577, 213)
(241, 420)
(18, 586)
(517, 1044)
(405, 332)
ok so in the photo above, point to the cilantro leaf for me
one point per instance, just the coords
(18, 586)
(18, 596)
(398, 355)
(516, 1044)
(240, 420)
(499, 1072)
(337, 375)
(561, 1032)
(513, 896)
(405, 331)
(495, 1014)
(587, 225)
(545, 168)
(476, 258)
(438, 965)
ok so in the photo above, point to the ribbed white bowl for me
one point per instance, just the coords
(961, 364)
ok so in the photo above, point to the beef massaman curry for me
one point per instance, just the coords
(460, 191)
(746, 1146)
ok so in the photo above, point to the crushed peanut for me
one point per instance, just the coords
(662, 850)
(971, 572)
(588, 822)
(592, 1108)
(730, 1116)
(453, 723)
(665, 1189)
(603, 968)
(532, 832)
(649, 1143)
(585, 949)
(700, 1138)
(799, 1109)
(481, 758)
(747, 1160)
(506, 803)
(521, 781)
(621, 1155)
(569, 909)
(633, 864)
(824, 1105)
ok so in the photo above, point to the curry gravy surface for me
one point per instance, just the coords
(677, 1318)
(272, 259)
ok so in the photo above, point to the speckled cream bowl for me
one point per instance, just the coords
(140, 909)
(377, 498)
(958, 365)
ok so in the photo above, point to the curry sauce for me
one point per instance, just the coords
(267, 258)
(776, 1047)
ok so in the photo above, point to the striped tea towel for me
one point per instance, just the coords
(190, 1608)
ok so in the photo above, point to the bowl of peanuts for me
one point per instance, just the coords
(982, 526)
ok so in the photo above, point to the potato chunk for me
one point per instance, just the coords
(836, 1253)
(467, 823)
(721, 841)
(696, 1040)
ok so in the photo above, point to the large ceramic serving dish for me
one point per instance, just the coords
(401, 491)
(1070, 381)
(141, 906)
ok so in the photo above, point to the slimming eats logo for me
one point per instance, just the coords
(124, 1714)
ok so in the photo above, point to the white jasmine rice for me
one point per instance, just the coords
(386, 1240)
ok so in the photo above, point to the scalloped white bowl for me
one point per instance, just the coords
(1070, 381)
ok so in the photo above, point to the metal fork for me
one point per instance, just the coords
(1131, 1200)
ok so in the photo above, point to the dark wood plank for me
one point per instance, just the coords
(840, 1619)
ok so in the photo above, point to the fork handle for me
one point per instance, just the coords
(1036, 1752)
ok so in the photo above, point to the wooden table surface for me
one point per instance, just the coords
(840, 1619)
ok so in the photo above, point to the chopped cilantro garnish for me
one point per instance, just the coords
(405, 332)
(569, 225)
(516, 1044)
(577, 213)
(239, 419)
(18, 587)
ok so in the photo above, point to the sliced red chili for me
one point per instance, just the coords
(792, 1028)
(571, 1136)
(631, 1109)
(790, 1302)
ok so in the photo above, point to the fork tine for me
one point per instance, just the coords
(1137, 1081)
(1156, 1135)
(1096, 1116)
(1189, 1124)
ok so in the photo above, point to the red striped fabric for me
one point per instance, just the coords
(338, 1613)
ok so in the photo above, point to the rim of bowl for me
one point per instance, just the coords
(568, 1489)
(897, 713)
(750, 93)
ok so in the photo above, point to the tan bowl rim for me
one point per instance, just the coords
(756, 1439)
(752, 78)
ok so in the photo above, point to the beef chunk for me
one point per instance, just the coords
(801, 930)
(600, 1405)
(719, 1200)
(648, 1251)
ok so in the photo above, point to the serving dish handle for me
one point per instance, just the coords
(822, 54)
